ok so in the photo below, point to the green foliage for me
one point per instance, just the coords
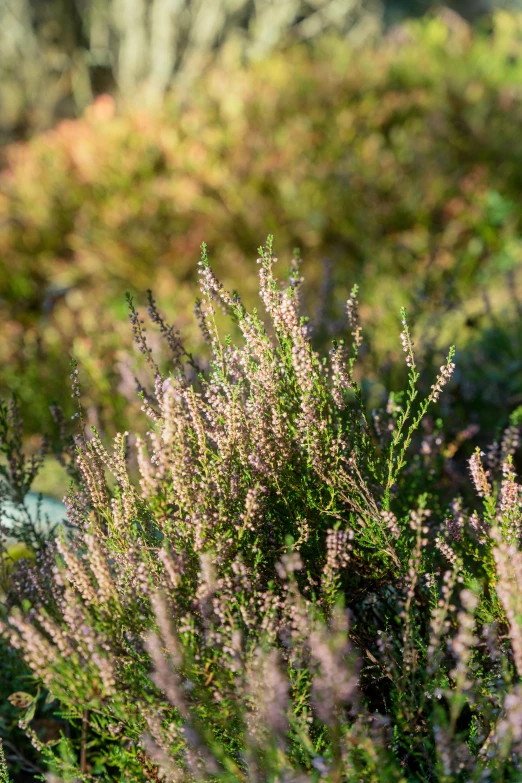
(286, 584)
(399, 162)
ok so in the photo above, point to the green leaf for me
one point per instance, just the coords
(29, 715)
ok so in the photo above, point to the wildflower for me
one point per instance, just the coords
(479, 475)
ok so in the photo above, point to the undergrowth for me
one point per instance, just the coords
(276, 583)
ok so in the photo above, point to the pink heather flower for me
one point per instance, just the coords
(479, 475)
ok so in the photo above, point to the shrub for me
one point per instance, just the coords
(292, 587)
(398, 162)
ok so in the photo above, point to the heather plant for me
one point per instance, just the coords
(273, 581)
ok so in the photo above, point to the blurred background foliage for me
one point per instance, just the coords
(391, 155)
(57, 55)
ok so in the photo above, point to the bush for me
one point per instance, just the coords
(294, 586)
(399, 163)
